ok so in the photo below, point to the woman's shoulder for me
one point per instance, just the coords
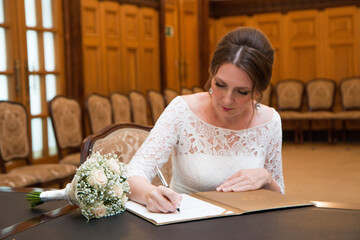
(264, 115)
(196, 101)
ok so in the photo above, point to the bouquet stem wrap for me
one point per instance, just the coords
(54, 195)
(99, 188)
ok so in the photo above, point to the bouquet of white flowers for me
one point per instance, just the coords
(99, 188)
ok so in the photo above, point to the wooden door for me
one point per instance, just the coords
(31, 64)
(181, 44)
(91, 42)
(189, 43)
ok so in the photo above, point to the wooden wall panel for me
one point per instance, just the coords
(131, 46)
(92, 69)
(130, 68)
(149, 50)
(189, 39)
(91, 33)
(121, 47)
(341, 42)
(172, 45)
(303, 37)
(111, 46)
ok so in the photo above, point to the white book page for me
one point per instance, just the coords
(190, 208)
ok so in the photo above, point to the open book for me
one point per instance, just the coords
(204, 205)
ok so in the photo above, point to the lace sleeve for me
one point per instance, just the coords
(273, 161)
(156, 149)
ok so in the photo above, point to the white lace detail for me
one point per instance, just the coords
(204, 155)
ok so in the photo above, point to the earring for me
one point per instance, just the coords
(257, 106)
(210, 91)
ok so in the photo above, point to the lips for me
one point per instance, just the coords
(226, 109)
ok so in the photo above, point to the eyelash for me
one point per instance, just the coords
(242, 93)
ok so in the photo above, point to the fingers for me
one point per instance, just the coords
(235, 184)
(163, 199)
(245, 180)
(236, 178)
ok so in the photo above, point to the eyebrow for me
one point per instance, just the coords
(239, 88)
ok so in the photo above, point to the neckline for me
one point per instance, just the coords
(226, 129)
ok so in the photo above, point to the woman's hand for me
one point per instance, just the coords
(162, 199)
(246, 180)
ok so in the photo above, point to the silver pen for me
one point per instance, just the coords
(161, 176)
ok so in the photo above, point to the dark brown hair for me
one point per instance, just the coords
(248, 49)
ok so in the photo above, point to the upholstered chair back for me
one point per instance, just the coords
(14, 133)
(289, 94)
(122, 139)
(350, 93)
(266, 98)
(66, 117)
(99, 111)
(121, 108)
(186, 91)
(138, 107)
(123, 142)
(320, 94)
(197, 89)
(157, 104)
(15, 145)
(169, 94)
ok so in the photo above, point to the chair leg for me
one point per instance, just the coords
(333, 129)
(301, 129)
(344, 130)
(310, 131)
(329, 132)
(296, 132)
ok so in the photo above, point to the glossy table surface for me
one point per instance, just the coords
(292, 223)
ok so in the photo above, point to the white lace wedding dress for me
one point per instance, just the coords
(204, 156)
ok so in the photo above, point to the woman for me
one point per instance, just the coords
(222, 139)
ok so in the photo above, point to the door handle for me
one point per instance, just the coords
(17, 77)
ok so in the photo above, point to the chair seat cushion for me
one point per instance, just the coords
(46, 172)
(290, 115)
(318, 115)
(73, 159)
(17, 180)
(344, 115)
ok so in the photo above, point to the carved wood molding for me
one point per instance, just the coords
(141, 3)
(222, 8)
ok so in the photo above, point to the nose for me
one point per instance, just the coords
(228, 98)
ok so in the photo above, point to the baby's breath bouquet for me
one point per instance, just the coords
(99, 188)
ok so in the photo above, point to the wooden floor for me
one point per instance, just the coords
(322, 172)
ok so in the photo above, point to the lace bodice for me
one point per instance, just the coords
(203, 155)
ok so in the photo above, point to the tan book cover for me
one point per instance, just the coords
(251, 201)
(214, 204)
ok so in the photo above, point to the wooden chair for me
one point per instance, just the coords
(289, 96)
(121, 108)
(122, 139)
(99, 111)
(15, 147)
(197, 89)
(186, 91)
(157, 104)
(139, 107)
(66, 118)
(267, 94)
(320, 95)
(350, 101)
(169, 94)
